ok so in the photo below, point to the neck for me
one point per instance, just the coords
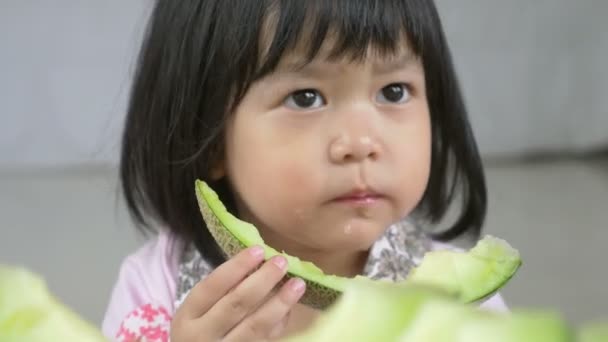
(343, 265)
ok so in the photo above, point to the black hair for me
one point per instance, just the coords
(198, 59)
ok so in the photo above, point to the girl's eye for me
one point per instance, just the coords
(394, 93)
(304, 99)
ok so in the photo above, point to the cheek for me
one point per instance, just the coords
(276, 179)
(279, 194)
(415, 161)
(420, 167)
(271, 176)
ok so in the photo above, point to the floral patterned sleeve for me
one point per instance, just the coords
(142, 301)
(148, 323)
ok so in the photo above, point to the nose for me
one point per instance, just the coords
(356, 129)
(354, 148)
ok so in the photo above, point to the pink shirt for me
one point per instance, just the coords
(146, 287)
(147, 276)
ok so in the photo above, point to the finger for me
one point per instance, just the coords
(219, 282)
(245, 298)
(270, 319)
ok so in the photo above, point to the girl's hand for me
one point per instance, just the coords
(234, 303)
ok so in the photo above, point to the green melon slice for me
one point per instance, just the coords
(29, 313)
(471, 275)
(371, 311)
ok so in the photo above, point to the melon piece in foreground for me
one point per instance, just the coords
(29, 313)
(374, 311)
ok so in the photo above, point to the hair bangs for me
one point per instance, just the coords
(341, 29)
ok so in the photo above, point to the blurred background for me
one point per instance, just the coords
(534, 75)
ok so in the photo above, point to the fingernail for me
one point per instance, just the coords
(257, 252)
(280, 261)
(297, 285)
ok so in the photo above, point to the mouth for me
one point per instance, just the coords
(360, 197)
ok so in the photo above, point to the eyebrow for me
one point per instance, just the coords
(320, 69)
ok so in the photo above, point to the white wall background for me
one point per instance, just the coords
(534, 73)
(64, 74)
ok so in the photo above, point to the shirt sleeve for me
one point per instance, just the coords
(146, 285)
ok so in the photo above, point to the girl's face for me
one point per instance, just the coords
(327, 156)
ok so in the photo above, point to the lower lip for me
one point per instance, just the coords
(359, 201)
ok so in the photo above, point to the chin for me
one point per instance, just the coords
(355, 236)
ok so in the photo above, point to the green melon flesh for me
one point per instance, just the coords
(371, 311)
(29, 313)
(452, 322)
(593, 332)
(472, 275)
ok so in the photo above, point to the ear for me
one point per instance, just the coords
(218, 170)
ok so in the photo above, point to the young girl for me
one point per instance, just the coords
(336, 127)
